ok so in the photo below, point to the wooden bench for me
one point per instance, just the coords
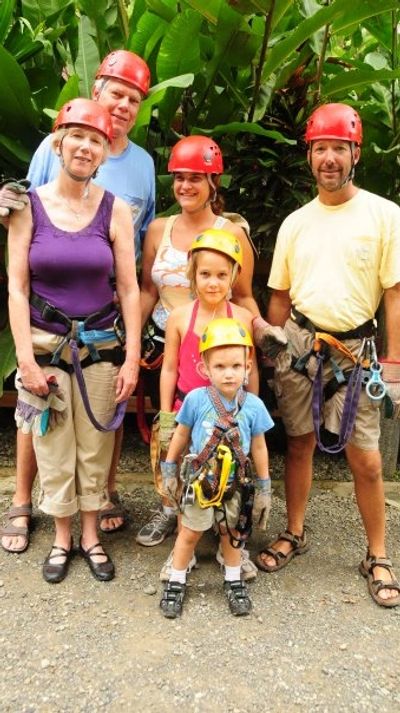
(9, 398)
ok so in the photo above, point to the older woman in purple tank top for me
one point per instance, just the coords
(64, 248)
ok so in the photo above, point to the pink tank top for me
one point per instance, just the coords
(189, 374)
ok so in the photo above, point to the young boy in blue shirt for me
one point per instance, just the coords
(206, 414)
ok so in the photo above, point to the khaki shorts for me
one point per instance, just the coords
(201, 519)
(294, 393)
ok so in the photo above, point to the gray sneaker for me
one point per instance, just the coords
(167, 567)
(156, 529)
(248, 569)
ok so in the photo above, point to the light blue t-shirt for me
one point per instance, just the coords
(129, 176)
(198, 413)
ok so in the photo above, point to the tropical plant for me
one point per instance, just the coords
(247, 72)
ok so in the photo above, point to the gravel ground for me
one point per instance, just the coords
(314, 642)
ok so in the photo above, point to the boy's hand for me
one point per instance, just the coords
(169, 472)
(261, 503)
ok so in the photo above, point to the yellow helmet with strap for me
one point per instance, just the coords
(220, 240)
(224, 332)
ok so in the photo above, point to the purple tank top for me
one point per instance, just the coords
(72, 270)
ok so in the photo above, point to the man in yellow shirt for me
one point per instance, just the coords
(334, 260)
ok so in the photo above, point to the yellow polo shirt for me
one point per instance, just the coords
(336, 261)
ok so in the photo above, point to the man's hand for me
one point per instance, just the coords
(13, 196)
(271, 340)
(262, 503)
(391, 377)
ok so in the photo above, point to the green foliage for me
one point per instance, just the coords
(247, 72)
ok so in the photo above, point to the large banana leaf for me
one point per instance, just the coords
(353, 79)
(155, 97)
(6, 15)
(237, 127)
(17, 109)
(183, 32)
(88, 58)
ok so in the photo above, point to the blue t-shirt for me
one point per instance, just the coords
(198, 413)
(129, 176)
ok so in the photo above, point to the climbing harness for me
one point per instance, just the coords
(213, 476)
(365, 372)
(79, 334)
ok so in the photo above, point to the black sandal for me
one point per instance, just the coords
(238, 598)
(172, 599)
(103, 571)
(54, 573)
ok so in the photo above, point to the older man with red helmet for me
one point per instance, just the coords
(122, 80)
(334, 260)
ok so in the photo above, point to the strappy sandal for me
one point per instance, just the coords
(116, 510)
(299, 545)
(103, 571)
(10, 530)
(375, 586)
(172, 599)
(55, 573)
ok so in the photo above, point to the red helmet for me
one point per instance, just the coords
(127, 66)
(198, 154)
(85, 112)
(334, 121)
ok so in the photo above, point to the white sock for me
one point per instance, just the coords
(168, 510)
(232, 574)
(178, 575)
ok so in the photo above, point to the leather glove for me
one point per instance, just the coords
(169, 472)
(261, 503)
(391, 378)
(13, 196)
(39, 414)
(271, 340)
(167, 428)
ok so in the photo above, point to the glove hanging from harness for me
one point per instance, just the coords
(39, 414)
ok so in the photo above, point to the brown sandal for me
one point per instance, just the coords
(375, 586)
(299, 547)
(116, 510)
(10, 530)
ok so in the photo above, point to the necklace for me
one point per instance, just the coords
(78, 214)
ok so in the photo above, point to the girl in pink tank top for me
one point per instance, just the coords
(215, 258)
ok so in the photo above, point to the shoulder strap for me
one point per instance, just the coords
(193, 316)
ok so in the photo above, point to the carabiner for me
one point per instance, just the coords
(375, 387)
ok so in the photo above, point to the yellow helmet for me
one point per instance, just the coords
(221, 241)
(224, 332)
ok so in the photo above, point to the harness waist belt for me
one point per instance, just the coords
(50, 313)
(368, 329)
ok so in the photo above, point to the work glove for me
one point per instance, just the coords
(271, 340)
(261, 503)
(391, 378)
(167, 428)
(169, 472)
(39, 414)
(13, 196)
